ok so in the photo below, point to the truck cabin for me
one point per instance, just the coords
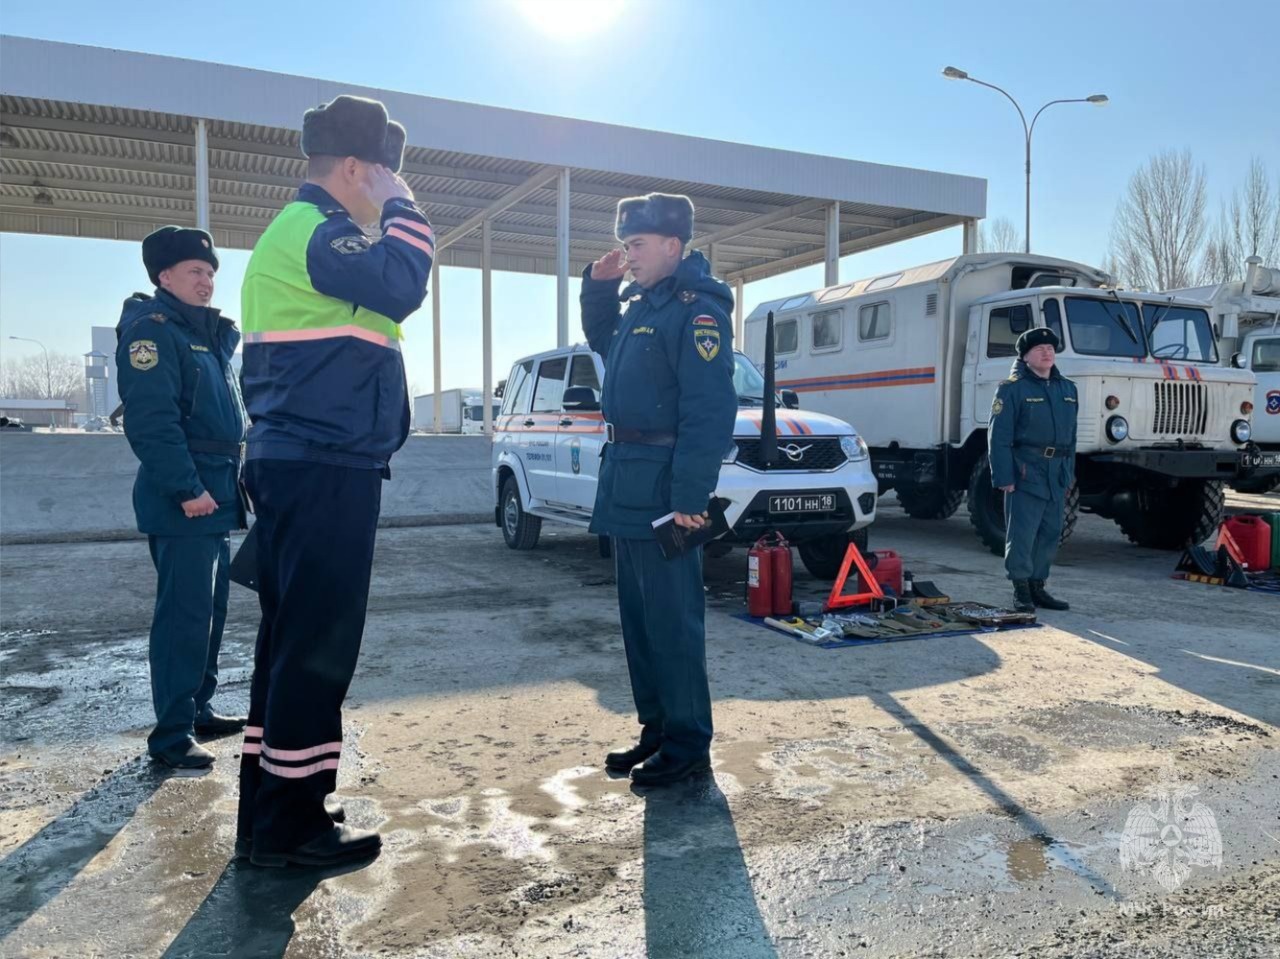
(1101, 324)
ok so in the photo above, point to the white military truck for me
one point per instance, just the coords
(916, 356)
(1247, 314)
(549, 435)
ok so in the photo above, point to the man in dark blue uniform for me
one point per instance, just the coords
(670, 405)
(185, 422)
(324, 382)
(1032, 442)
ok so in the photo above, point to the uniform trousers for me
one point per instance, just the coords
(186, 631)
(317, 525)
(662, 608)
(1033, 529)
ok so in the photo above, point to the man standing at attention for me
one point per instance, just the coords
(670, 405)
(325, 388)
(1032, 445)
(185, 421)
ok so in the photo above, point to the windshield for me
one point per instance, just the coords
(1105, 327)
(747, 380)
(1179, 333)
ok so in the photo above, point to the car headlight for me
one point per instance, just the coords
(730, 455)
(855, 448)
(1241, 431)
(1117, 429)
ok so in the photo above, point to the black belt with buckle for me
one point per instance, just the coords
(620, 434)
(217, 447)
(1048, 452)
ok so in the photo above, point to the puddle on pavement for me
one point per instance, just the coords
(1005, 862)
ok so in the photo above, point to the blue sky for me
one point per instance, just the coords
(851, 79)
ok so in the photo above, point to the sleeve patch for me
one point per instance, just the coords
(705, 320)
(143, 355)
(997, 406)
(351, 244)
(707, 342)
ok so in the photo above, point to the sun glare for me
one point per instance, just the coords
(570, 19)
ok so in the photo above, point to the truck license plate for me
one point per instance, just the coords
(1257, 459)
(803, 503)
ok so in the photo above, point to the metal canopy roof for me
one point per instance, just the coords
(102, 143)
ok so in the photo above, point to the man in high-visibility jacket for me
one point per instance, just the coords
(325, 388)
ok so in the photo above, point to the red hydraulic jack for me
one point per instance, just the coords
(853, 556)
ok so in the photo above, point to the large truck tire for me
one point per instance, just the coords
(986, 509)
(519, 529)
(823, 557)
(930, 502)
(1187, 514)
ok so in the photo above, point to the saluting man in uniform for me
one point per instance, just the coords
(1032, 445)
(670, 405)
(324, 383)
(185, 422)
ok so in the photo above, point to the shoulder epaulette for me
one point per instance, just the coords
(688, 296)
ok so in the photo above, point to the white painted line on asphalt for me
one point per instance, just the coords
(1232, 662)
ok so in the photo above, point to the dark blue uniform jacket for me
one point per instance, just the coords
(668, 369)
(1028, 415)
(177, 384)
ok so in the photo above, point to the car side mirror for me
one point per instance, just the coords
(1237, 361)
(580, 399)
(790, 399)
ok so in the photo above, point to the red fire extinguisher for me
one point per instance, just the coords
(769, 577)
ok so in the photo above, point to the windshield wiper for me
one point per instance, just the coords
(748, 398)
(1123, 320)
(1160, 315)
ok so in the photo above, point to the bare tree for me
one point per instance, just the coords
(27, 378)
(1247, 226)
(999, 236)
(1111, 266)
(1159, 230)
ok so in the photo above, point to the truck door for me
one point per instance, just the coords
(538, 437)
(1002, 326)
(579, 440)
(1263, 351)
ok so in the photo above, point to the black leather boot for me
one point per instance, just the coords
(339, 845)
(1022, 599)
(623, 760)
(1043, 599)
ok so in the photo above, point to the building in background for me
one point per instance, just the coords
(58, 413)
(95, 384)
(104, 341)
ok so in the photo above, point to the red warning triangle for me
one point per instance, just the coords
(853, 556)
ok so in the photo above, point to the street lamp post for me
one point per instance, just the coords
(48, 376)
(1097, 99)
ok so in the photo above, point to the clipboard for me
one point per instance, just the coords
(675, 540)
(244, 565)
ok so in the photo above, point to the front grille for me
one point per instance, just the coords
(1181, 409)
(809, 453)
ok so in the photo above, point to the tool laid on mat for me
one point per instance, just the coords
(904, 621)
(802, 630)
(991, 615)
(924, 592)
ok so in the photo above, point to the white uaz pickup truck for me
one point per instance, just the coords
(550, 433)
